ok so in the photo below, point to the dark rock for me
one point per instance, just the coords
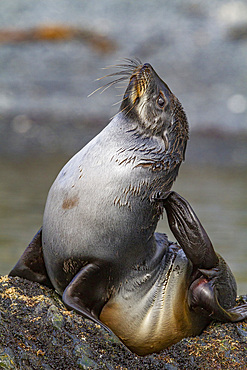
(238, 32)
(37, 331)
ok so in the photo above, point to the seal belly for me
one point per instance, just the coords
(149, 320)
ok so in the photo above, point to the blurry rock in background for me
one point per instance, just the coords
(51, 53)
(57, 33)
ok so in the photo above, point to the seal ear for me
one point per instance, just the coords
(87, 292)
(31, 265)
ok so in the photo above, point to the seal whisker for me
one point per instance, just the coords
(127, 73)
(124, 109)
(106, 86)
(127, 70)
(129, 109)
(134, 63)
(118, 102)
(128, 62)
(93, 92)
(110, 84)
(128, 67)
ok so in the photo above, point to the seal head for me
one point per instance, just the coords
(149, 102)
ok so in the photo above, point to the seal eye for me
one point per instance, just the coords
(161, 101)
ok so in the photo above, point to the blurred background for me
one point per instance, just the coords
(51, 53)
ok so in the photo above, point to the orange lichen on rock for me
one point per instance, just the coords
(58, 33)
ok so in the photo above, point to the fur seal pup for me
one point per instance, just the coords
(98, 247)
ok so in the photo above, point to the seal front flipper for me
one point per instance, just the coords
(204, 296)
(213, 289)
(189, 232)
(88, 291)
(31, 265)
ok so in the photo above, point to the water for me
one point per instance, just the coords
(217, 195)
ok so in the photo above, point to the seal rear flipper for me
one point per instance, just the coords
(189, 232)
(31, 265)
(87, 292)
(202, 298)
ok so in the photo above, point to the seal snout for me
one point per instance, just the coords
(139, 81)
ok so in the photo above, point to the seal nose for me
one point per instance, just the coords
(139, 81)
(146, 66)
(144, 74)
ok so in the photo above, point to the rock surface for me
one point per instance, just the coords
(38, 332)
